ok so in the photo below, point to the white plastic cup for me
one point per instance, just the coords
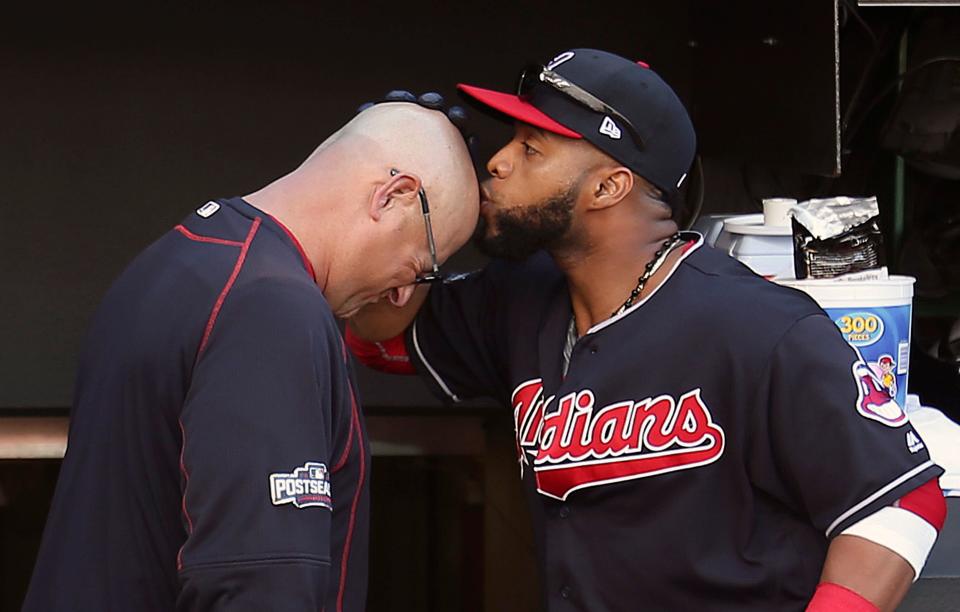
(776, 211)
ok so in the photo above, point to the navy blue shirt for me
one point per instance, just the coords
(217, 457)
(703, 447)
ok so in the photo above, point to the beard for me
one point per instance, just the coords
(517, 233)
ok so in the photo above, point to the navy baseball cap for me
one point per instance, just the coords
(621, 107)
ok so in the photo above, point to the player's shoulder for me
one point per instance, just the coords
(532, 275)
(287, 303)
(738, 297)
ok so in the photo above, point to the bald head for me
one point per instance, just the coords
(354, 203)
(410, 139)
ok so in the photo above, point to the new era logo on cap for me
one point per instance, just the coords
(609, 128)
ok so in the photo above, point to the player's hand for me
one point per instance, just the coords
(434, 101)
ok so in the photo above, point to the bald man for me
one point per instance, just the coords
(217, 457)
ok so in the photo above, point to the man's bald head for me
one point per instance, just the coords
(354, 203)
(410, 139)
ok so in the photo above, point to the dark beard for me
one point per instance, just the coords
(522, 231)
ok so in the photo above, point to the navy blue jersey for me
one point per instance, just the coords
(217, 458)
(703, 447)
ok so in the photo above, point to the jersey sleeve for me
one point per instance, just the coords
(257, 434)
(824, 440)
(453, 342)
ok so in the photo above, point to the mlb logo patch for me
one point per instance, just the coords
(306, 486)
(207, 210)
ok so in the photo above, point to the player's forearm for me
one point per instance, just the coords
(874, 572)
(382, 320)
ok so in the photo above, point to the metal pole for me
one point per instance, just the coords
(899, 177)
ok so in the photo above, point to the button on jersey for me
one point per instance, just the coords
(217, 458)
(703, 446)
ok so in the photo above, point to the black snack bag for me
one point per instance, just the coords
(857, 249)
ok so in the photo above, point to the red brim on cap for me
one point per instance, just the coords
(518, 108)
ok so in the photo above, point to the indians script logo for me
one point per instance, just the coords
(578, 445)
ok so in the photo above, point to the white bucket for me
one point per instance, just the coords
(765, 249)
(874, 317)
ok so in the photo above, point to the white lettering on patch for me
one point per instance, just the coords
(306, 486)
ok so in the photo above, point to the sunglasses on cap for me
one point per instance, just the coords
(535, 73)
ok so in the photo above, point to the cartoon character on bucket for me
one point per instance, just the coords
(876, 400)
(887, 378)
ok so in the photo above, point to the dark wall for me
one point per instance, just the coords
(119, 119)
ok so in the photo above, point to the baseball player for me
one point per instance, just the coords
(217, 457)
(691, 436)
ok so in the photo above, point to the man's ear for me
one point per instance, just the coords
(401, 188)
(609, 186)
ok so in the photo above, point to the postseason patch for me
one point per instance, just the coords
(306, 486)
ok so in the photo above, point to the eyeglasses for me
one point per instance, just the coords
(434, 275)
(535, 72)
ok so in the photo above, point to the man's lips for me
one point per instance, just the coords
(485, 200)
(486, 204)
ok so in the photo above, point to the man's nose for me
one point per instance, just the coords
(499, 165)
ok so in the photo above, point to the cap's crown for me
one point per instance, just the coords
(640, 95)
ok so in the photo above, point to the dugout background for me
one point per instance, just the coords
(117, 119)
(120, 118)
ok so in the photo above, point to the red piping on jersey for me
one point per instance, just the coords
(346, 451)
(354, 424)
(346, 447)
(303, 254)
(926, 501)
(226, 288)
(183, 498)
(198, 238)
